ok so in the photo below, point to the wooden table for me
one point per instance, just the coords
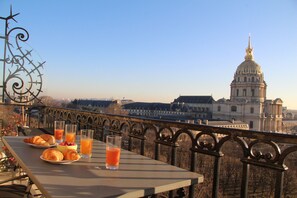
(138, 175)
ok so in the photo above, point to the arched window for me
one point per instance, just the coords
(233, 108)
(251, 124)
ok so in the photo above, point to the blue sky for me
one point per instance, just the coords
(156, 50)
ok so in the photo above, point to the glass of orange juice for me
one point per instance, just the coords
(70, 133)
(113, 151)
(86, 142)
(59, 130)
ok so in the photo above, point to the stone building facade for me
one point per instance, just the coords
(248, 101)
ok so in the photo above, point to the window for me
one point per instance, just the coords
(253, 79)
(237, 92)
(252, 109)
(244, 92)
(253, 92)
(219, 108)
(244, 79)
(251, 124)
(233, 108)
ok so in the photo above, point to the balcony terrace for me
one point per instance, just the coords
(235, 163)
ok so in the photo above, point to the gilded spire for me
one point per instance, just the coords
(249, 51)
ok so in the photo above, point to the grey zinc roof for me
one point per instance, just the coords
(148, 106)
(95, 103)
(195, 99)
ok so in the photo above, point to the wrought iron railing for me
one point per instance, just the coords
(248, 149)
(21, 72)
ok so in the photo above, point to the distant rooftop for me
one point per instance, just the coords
(95, 103)
(148, 106)
(195, 99)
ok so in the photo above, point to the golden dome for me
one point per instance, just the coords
(249, 67)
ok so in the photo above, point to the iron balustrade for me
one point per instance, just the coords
(202, 139)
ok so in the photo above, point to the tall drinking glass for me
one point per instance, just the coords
(59, 130)
(86, 143)
(70, 133)
(113, 151)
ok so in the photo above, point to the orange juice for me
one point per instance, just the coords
(70, 137)
(113, 156)
(86, 146)
(59, 134)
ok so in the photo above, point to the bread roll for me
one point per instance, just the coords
(70, 154)
(48, 138)
(52, 154)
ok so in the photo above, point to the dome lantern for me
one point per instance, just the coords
(249, 51)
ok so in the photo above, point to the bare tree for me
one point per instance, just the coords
(116, 108)
(49, 101)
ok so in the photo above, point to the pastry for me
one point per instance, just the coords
(48, 138)
(52, 154)
(71, 154)
(44, 140)
(38, 140)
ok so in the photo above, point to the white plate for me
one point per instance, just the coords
(41, 146)
(59, 162)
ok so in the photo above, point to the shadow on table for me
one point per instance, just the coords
(100, 191)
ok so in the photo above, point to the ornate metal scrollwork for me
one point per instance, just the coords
(267, 156)
(206, 141)
(166, 135)
(137, 130)
(22, 79)
(115, 125)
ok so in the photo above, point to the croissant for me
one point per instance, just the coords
(48, 138)
(44, 139)
(52, 154)
(70, 154)
(38, 140)
(27, 140)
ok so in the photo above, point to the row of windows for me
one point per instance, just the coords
(244, 92)
(234, 109)
(245, 79)
(240, 126)
(201, 109)
(143, 112)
